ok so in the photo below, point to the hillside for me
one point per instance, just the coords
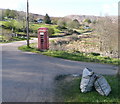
(22, 14)
(80, 18)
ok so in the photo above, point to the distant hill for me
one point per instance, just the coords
(22, 14)
(80, 18)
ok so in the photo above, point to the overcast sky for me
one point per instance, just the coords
(65, 7)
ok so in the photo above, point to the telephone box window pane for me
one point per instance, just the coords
(41, 33)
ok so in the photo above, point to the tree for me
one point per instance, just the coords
(55, 20)
(107, 30)
(11, 13)
(73, 24)
(31, 17)
(87, 21)
(76, 23)
(7, 13)
(94, 22)
(47, 19)
(61, 23)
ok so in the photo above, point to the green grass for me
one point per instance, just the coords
(70, 91)
(34, 27)
(2, 22)
(12, 23)
(74, 56)
(29, 49)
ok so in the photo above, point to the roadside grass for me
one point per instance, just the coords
(70, 92)
(85, 57)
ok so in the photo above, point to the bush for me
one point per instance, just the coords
(51, 31)
(61, 27)
(95, 54)
(61, 22)
(107, 31)
(70, 31)
(73, 24)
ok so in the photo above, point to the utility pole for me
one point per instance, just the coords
(27, 23)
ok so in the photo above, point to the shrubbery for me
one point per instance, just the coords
(51, 31)
(61, 27)
(107, 31)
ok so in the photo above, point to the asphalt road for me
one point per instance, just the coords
(29, 77)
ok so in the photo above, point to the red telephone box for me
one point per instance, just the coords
(43, 39)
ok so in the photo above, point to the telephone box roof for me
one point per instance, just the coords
(43, 28)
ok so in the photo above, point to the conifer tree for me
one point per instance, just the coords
(47, 19)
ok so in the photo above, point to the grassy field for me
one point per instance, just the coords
(68, 89)
(34, 27)
(89, 57)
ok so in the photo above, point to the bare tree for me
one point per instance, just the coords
(107, 30)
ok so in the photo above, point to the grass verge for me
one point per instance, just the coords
(73, 56)
(70, 92)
